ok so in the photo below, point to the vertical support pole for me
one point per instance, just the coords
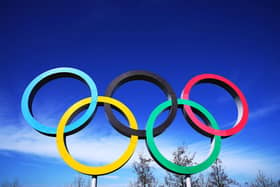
(94, 181)
(188, 181)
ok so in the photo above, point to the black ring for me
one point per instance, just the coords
(150, 77)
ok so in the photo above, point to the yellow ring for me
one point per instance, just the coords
(95, 170)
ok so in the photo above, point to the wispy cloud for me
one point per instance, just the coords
(239, 161)
(90, 149)
(26, 140)
(93, 150)
(97, 149)
(264, 111)
(258, 113)
(247, 161)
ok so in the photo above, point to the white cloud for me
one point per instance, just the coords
(26, 140)
(244, 161)
(102, 150)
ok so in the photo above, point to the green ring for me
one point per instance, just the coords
(215, 147)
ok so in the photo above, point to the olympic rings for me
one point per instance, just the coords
(189, 109)
(39, 81)
(91, 170)
(235, 92)
(215, 148)
(150, 77)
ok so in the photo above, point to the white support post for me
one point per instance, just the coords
(94, 181)
(188, 181)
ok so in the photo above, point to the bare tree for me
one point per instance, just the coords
(183, 158)
(200, 181)
(264, 181)
(143, 170)
(218, 177)
(80, 181)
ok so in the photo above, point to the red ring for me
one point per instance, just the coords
(235, 92)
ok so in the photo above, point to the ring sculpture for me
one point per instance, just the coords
(207, 126)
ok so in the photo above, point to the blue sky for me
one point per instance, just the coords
(176, 40)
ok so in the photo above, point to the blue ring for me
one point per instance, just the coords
(26, 109)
